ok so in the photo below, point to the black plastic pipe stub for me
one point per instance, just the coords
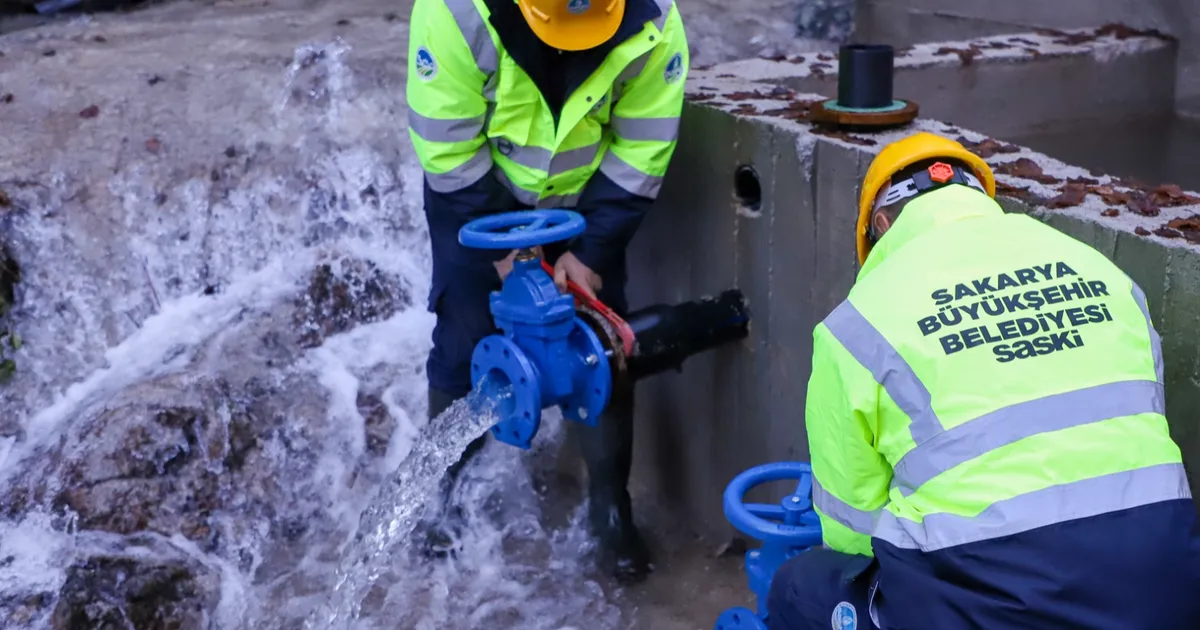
(865, 76)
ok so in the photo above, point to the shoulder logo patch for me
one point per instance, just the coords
(674, 69)
(579, 6)
(845, 617)
(426, 64)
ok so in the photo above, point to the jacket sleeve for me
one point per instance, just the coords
(447, 110)
(851, 477)
(643, 128)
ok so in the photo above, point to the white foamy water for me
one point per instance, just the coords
(167, 417)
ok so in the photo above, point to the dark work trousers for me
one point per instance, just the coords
(821, 589)
(462, 283)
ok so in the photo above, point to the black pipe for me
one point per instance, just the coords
(666, 335)
(865, 76)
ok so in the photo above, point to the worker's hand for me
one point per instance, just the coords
(504, 267)
(568, 267)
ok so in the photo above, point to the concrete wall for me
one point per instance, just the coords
(794, 258)
(1009, 85)
(904, 22)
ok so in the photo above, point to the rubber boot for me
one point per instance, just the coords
(444, 530)
(607, 450)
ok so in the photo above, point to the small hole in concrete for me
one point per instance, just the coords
(746, 187)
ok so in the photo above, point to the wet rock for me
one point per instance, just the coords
(118, 593)
(19, 609)
(10, 276)
(344, 294)
(379, 423)
(147, 470)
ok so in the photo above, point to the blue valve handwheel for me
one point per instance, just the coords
(522, 229)
(792, 522)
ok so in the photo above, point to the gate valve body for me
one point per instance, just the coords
(786, 529)
(567, 349)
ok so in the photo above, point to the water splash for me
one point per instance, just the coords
(162, 302)
(393, 514)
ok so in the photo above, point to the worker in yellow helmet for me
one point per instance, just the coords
(543, 104)
(986, 425)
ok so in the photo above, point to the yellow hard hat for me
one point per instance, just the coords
(573, 24)
(902, 154)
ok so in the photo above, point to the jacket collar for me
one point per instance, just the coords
(553, 71)
(927, 212)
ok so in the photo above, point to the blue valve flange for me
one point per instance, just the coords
(593, 376)
(497, 364)
(522, 229)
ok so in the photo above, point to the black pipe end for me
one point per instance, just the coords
(865, 76)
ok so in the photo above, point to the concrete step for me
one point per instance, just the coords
(1011, 85)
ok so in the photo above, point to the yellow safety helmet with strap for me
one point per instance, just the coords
(901, 154)
(573, 24)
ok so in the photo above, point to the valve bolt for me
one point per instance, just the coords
(592, 360)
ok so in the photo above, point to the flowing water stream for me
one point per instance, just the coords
(218, 419)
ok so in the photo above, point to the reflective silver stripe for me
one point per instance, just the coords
(530, 198)
(859, 521)
(631, 71)
(526, 197)
(445, 129)
(869, 347)
(543, 160)
(628, 177)
(965, 442)
(474, 29)
(665, 7)
(649, 129)
(1056, 504)
(463, 176)
(1155, 339)
(573, 158)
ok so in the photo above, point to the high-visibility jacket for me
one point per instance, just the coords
(474, 110)
(989, 388)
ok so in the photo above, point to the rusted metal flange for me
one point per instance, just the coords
(901, 112)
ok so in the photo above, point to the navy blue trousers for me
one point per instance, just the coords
(822, 589)
(1135, 569)
(463, 278)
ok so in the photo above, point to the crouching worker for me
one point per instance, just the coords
(547, 104)
(985, 421)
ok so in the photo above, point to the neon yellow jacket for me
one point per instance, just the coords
(475, 111)
(984, 361)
